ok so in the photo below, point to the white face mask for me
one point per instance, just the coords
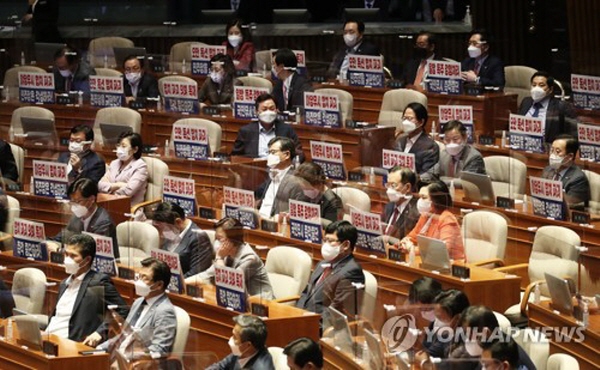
(424, 206)
(78, 210)
(408, 126)
(329, 252)
(217, 245)
(216, 77)
(234, 40)
(350, 40)
(393, 195)
(537, 94)
(170, 236)
(235, 349)
(141, 289)
(474, 51)
(267, 116)
(133, 77)
(555, 161)
(473, 348)
(454, 149)
(123, 154)
(75, 147)
(64, 72)
(312, 193)
(71, 267)
(273, 160)
(428, 315)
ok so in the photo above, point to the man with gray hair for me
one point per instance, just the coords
(248, 350)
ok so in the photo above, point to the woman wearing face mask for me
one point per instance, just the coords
(218, 86)
(436, 221)
(232, 251)
(315, 188)
(128, 174)
(239, 45)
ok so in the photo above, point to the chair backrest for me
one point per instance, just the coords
(163, 80)
(108, 72)
(135, 240)
(11, 80)
(288, 279)
(29, 290)
(180, 52)
(484, 234)
(181, 333)
(503, 322)
(352, 197)
(263, 60)
(369, 297)
(157, 170)
(211, 236)
(535, 344)
(594, 180)
(279, 359)
(518, 80)
(31, 112)
(214, 130)
(103, 46)
(346, 102)
(116, 116)
(562, 361)
(508, 175)
(19, 155)
(14, 211)
(393, 104)
(254, 81)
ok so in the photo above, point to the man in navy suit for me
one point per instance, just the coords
(290, 86)
(481, 67)
(253, 138)
(353, 38)
(137, 83)
(8, 166)
(400, 215)
(81, 159)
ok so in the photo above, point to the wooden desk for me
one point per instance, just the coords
(335, 359)
(13, 356)
(586, 351)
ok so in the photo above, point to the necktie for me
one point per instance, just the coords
(420, 73)
(392, 222)
(138, 313)
(68, 83)
(452, 169)
(477, 67)
(536, 109)
(326, 272)
(556, 176)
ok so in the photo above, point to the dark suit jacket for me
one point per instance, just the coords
(147, 88)
(561, 117)
(101, 224)
(426, 151)
(81, 79)
(405, 222)
(336, 290)
(7, 303)
(289, 188)
(261, 361)
(209, 91)
(409, 73)
(470, 160)
(296, 91)
(246, 142)
(92, 166)
(8, 165)
(575, 184)
(331, 206)
(95, 294)
(195, 251)
(491, 72)
(365, 48)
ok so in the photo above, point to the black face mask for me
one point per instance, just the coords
(420, 53)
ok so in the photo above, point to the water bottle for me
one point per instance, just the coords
(525, 204)
(183, 67)
(105, 61)
(9, 329)
(80, 98)
(159, 104)
(167, 148)
(298, 116)
(467, 20)
(503, 141)
(372, 177)
(433, 130)
(284, 226)
(22, 58)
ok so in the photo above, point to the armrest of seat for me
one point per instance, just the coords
(141, 205)
(289, 299)
(5, 241)
(512, 268)
(528, 290)
(492, 261)
(170, 362)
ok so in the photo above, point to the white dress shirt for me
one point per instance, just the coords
(59, 324)
(264, 137)
(410, 141)
(271, 192)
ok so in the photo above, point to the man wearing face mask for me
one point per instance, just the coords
(218, 87)
(182, 236)
(331, 281)
(458, 155)
(253, 139)
(248, 349)
(152, 316)
(274, 194)
(415, 69)
(81, 160)
(84, 296)
(290, 86)
(71, 73)
(559, 115)
(353, 38)
(401, 214)
(561, 166)
(87, 215)
(137, 84)
(315, 188)
(481, 67)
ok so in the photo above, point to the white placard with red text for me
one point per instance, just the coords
(105, 256)
(322, 110)
(443, 77)
(29, 240)
(201, 56)
(231, 288)
(50, 179)
(547, 198)
(172, 260)
(330, 157)
(240, 204)
(244, 98)
(369, 230)
(392, 158)
(106, 91)
(36, 88)
(181, 96)
(462, 113)
(305, 221)
(589, 140)
(190, 142)
(586, 91)
(182, 192)
(526, 133)
(365, 70)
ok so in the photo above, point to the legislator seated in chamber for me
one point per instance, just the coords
(218, 87)
(81, 160)
(239, 45)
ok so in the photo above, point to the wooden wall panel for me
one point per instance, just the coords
(584, 36)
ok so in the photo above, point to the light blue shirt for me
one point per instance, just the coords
(264, 137)
(543, 109)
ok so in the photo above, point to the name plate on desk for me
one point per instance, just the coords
(487, 140)
(305, 221)
(586, 91)
(181, 192)
(57, 257)
(322, 110)
(231, 288)
(443, 77)
(201, 56)
(36, 88)
(49, 348)
(50, 179)
(318, 79)
(356, 176)
(207, 213)
(369, 231)
(505, 202)
(190, 141)
(244, 98)
(211, 110)
(29, 240)
(330, 158)
(547, 198)
(194, 291)
(365, 70)
(527, 133)
(224, 157)
(106, 91)
(269, 226)
(395, 84)
(396, 255)
(582, 218)
(138, 104)
(126, 273)
(589, 140)
(65, 99)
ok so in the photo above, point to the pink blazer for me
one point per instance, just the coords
(135, 174)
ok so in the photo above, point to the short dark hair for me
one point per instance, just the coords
(233, 229)
(453, 301)
(244, 28)
(70, 53)
(135, 140)
(160, 270)
(420, 111)
(431, 38)
(86, 186)
(549, 79)
(168, 212)
(479, 317)
(424, 290)
(344, 230)
(455, 125)
(87, 130)
(263, 97)
(571, 144)
(140, 58)
(440, 195)
(406, 176)
(304, 350)
(287, 145)
(253, 330)
(228, 65)
(359, 24)
(485, 35)
(312, 173)
(504, 349)
(286, 57)
(85, 244)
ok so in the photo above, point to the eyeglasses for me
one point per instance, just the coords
(413, 119)
(392, 185)
(330, 240)
(78, 201)
(476, 43)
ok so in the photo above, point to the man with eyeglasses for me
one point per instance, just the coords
(136, 83)
(481, 67)
(81, 160)
(415, 69)
(401, 214)
(87, 215)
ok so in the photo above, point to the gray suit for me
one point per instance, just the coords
(195, 251)
(426, 151)
(289, 188)
(575, 184)
(470, 160)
